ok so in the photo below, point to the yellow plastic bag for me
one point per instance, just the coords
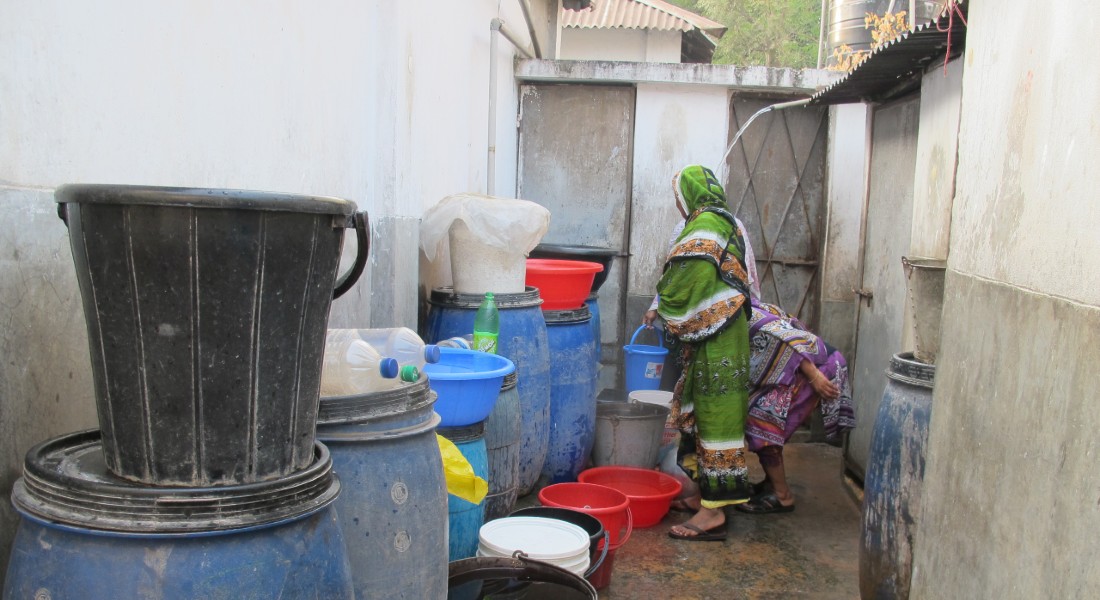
(459, 473)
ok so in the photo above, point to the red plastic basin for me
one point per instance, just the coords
(650, 492)
(562, 284)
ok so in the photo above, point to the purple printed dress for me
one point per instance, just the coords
(781, 398)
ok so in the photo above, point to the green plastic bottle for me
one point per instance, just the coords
(487, 325)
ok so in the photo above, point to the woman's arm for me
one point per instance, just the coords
(820, 383)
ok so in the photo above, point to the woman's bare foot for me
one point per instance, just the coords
(687, 503)
(704, 520)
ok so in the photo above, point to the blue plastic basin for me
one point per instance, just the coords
(467, 383)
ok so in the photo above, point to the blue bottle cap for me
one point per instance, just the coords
(388, 367)
(431, 353)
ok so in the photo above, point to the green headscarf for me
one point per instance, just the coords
(705, 281)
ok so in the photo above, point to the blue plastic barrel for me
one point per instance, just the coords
(392, 508)
(644, 364)
(573, 369)
(894, 479)
(466, 518)
(523, 341)
(87, 534)
(593, 304)
(502, 436)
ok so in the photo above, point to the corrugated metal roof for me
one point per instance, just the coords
(895, 67)
(639, 14)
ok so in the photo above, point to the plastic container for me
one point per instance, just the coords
(598, 538)
(206, 325)
(392, 506)
(572, 393)
(503, 434)
(650, 492)
(524, 343)
(399, 343)
(610, 506)
(477, 267)
(352, 366)
(495, 577)
(465, 342)
(628, 434)
(643, 364)
(468, 383)
(562, 284)
(550, 540)
(596, 254)
(486, 325)
(85, 533)
(464, 519)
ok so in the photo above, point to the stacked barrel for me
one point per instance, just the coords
(206, 329)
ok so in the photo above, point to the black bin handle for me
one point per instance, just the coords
(361, 224)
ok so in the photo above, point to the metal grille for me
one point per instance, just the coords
(776, 186)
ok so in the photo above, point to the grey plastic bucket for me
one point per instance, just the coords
(628, 434)
(206, 312)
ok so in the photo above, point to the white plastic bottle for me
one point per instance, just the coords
(402, 344)
(352, 366)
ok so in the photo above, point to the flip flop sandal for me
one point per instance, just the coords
(714, 534)
(763, 505)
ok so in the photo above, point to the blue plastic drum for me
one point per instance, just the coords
(87, 534)
(573, 369)
(392, 504)
(503, 431)
(466, 518)
(593, 304)
(523, 341)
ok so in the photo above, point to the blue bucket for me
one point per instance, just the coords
(643, 364)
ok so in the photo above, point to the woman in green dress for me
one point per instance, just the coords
(704, 300)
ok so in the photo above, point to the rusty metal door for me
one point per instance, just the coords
(575, 158)
(886, 237)
(776, 187)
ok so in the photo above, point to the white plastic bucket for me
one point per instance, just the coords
(554, 541)
(477, 267)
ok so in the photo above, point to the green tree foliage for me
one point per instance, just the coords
(773, 33)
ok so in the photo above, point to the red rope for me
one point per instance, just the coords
(952, 9)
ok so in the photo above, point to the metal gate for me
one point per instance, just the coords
(776, 187)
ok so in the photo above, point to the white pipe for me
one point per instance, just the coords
(523, 4)
(491, 167)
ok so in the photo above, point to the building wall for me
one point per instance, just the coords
(342, 98)
(1009, 506)
(636, 45)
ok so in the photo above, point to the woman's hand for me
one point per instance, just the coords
(821, 384)
(648, 318)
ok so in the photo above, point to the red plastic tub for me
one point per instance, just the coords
(562, 284)
(650, 492)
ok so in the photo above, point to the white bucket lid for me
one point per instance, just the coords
(660, 397)
(538, 537)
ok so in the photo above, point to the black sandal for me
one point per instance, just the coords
(764, 504)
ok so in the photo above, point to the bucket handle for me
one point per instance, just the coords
(603, 555)
(361, 223)
(660, 336)
(629, 527)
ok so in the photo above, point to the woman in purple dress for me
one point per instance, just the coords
(791, 371)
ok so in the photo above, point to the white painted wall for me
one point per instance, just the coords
(383, 103)
(937, 145)
(1030, 153)
(635, 45)
(675, 126)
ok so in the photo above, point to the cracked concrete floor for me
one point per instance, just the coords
(812, 552)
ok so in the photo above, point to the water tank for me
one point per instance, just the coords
(846, 20)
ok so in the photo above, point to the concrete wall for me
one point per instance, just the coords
(637, 45)
(351, 99)
(845, 188)
(1010, 503)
